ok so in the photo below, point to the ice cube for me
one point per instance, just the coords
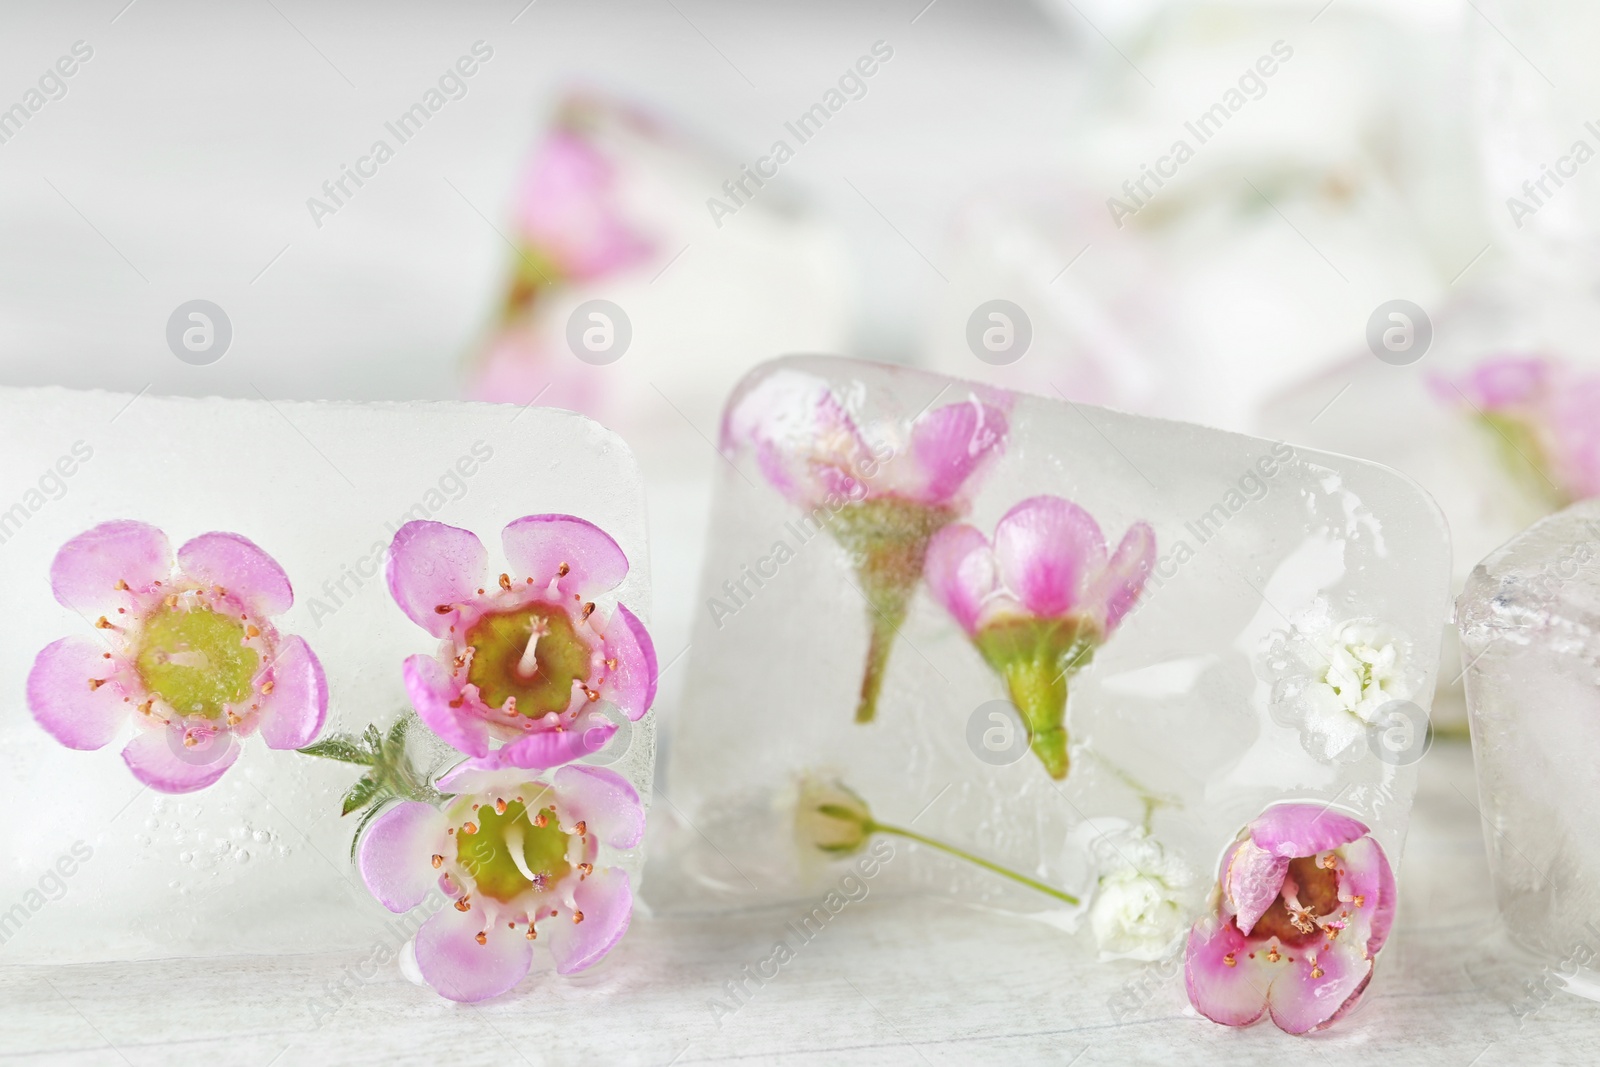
(1203, 705)
(97, 867)
(1494, 464)
(1530, 631)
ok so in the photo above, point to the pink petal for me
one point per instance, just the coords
(606, 900)
(632, 685)
(537, 545)
(1293, 830)
(240, 567)
(1507, 381)
(950, 443)
(536, 752)
(1366, 873)
(394, 854)
(1120, 584)
(1049, 550)
(1575, 435)
(1233, 995)
(1253, 880)
(431, 689)
(432, 565)
(460, 969)
(86, 570)
(62, 701)
(293, 713)
(568, 210)
(1301, 1003)
(160, 760)
(960, 572)
(804, 440)
(604, 801)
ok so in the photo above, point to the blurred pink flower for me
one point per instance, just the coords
(524, 655)
(568, 212)
(516, 853)
(1039, 600)
(1306, 900)
(516, 369)
(881, 501)
(193, 657)
(1541, 412)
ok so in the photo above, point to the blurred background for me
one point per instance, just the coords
(1350, 224)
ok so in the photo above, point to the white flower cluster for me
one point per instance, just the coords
(1330, 681)
(1138, 911)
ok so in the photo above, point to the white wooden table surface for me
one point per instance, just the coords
(907, 982)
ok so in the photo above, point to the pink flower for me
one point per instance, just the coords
(518, 369)
(1038, 602)
(882, 501)
(515, 853)
(1498, 383)
(568, 211)
(1540, 412)
(1306, 902)
(189, 654)
(523, 655)
(811, 450)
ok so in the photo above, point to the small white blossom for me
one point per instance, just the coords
(1138, 911)
(1330, 681)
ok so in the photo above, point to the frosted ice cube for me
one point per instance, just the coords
(1188, 720)
(96, 867)
(1530, 631)
(1421, 414)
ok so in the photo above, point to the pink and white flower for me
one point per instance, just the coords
(1541, 414)
(1305, 901)
(516, 852)
(1039, 600)
(523, 655)
(188, 653)
(882, 498)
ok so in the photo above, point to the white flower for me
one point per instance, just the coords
(1138, 910)
(1330, 681)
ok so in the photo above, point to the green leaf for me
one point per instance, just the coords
(397, 732)
(373, 739)
(340, 747)
(361, 794)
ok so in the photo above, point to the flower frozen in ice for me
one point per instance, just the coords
(517, 853)
(1305, 901)
(568, 215)
(833, 819)
(523, 654)
(882, 499)
(1541, 416)
(1138, 909)
(190, 654)
(830, 817)
(1038, 601)
(1332, 682)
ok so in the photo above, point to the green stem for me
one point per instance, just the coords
(884, 629)
(912, 835)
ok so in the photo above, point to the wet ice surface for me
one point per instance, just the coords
(1530, 630)
(258, 863)
(1180, 699)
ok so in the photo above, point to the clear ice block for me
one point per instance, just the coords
(1205, 704)
(1530, 631)
(94, 866)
